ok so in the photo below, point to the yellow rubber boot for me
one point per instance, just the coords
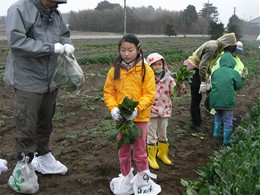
(162, 154)
(152, 150)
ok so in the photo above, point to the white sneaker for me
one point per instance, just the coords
(47, 164)
(121, 185)
(24, 179)
(143, 184)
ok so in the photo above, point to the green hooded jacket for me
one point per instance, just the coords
(225, 81)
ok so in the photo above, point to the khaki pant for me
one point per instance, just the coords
(33, 113)
(157, 130)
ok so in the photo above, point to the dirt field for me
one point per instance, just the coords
(80, 141)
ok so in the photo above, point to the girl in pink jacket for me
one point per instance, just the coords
(157, 141)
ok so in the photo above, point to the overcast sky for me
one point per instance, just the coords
(245, 9)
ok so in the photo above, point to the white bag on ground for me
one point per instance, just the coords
(3, 166)
(143, 184)
(24, 179)
(47, 164)
(121, 185)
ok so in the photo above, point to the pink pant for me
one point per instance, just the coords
(139, 153)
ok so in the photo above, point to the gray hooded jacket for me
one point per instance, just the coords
(32, 31)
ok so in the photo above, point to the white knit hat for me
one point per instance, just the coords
(239, 48)
(154, 57)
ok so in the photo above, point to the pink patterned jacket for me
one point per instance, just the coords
(162, 106)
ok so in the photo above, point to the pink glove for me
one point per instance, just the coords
(182, 88)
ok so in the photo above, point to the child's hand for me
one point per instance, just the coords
(244, 73)
(203, 87)
(134, 114)
(115, 113)
(182, 88)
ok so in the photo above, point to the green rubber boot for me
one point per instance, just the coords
(216, 129)
(227, 134)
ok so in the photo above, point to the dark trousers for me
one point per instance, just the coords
(196, 98)
(33, 113)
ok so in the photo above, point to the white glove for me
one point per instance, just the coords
(134, 114)
(58, 48)
(69, 49)
(203, 87)
(244, 73)
(115, 113)
(209, 83)
(3, 166)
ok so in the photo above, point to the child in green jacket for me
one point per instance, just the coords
(225, 81)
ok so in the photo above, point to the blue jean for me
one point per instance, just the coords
(226, 116)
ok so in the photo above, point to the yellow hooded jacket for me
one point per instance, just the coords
(239, 67)
(131, 85)
(206, 55)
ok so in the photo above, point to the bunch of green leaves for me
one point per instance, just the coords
(181, 76)
(127, 128)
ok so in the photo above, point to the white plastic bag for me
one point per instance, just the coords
(143, 184)
(121, 185)
(3, 166)
(47, 164)
(68, 75)
(24, 179)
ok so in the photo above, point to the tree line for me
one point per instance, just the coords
(109, 17)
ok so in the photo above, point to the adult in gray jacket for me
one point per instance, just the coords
(36, 34)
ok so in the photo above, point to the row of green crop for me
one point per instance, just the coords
(174, 50)
(172, 56)
(233, 170)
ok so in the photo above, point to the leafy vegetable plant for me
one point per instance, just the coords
(127, 128)
(182, 76)
(236, 169)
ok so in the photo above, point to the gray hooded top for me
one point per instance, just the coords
(32, 31)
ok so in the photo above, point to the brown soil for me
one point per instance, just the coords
(81, 144)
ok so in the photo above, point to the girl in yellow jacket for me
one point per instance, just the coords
(130, 76)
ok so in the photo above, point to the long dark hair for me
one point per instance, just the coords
(131, 38)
